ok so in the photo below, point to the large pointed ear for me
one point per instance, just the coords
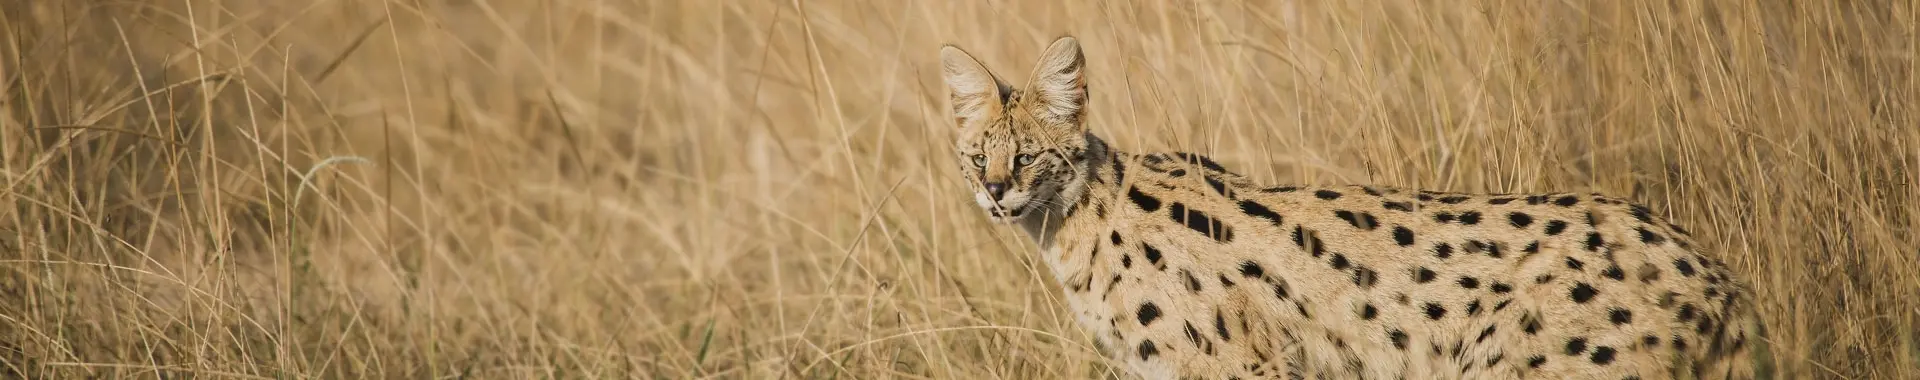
(1058, 88)
(977, 93)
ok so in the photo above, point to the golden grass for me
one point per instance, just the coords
(762, 189)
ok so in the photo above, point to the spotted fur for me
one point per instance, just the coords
(1184, 269)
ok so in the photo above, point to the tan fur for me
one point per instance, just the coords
(1183, 269)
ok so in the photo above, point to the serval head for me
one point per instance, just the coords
(1025, 151)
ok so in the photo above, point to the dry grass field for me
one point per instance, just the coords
(764, 189)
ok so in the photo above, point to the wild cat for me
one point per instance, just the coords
(1184, 269)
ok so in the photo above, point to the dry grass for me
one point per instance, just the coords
(762, 189)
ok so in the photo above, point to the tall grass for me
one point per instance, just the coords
(763, 189)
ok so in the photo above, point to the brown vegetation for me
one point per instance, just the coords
(762, 189)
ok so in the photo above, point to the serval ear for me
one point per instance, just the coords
(977, 93)
(1058, 88)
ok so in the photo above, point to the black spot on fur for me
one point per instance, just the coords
(1218, 187)
(1650, 237)
(1193, 335)
(1193, 284)
(1147, 350)
(1685, 267)
(1115, 237)
(1533, 247)
(1399, 338)
(1567, 201)
(1484, 334)
(1594, 242)
(1501, 288)
(1530, 324)
(1402, 235)
(1468, 282)
(1453, 200)
(1204, 161)
(1423, 275)
(1542, 279)
(1148, 313)
(1200, 222)
(1613, 272)
(1519, 220)
(1279, 289)
(1152, 254)
(1581, 293)
(1554, 227)
(1326, 194)
(1443, 217)
(1126, 261)
(1146, 202)
(1641, 213)
(1442, 250)
(1536, 199)
(1575, 264)
(1686, 312)
(1434, 311)
(1470, 218)
(1679, 344)
(1602, 355)
(1365, 277)
(1371, 191)
(1650, 341)
(1361, 220)
(1536, 361)
(1340, 262)
(1280, 189)
(1619, 316)
(1397, 206)
(1251, 269)
(1220, 326)
(1368, 312)
(1257, 210)
(1177, 173)
(1499, 201)
(1576, 346)
(1309, 240)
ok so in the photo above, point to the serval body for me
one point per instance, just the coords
(1183, 269)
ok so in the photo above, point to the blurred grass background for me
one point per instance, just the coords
(763, 189)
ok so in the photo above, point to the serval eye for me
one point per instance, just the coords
(1023, 160)
(980, 160)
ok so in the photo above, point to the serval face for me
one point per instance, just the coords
(1021, 149)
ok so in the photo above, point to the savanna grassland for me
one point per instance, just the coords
(764, 189)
